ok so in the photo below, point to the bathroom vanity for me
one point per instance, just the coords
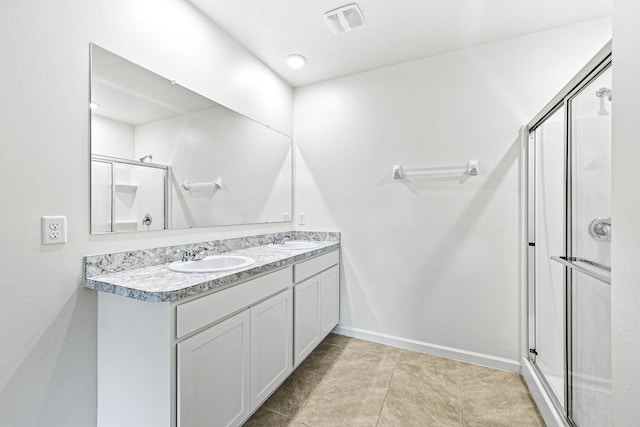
(195, 349)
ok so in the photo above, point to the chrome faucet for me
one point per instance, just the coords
(281, 240)
(194, 255)
(199, 253)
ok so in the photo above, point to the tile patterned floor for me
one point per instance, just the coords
(350, 382)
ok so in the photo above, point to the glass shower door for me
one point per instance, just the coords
(128, 195)
(589, 361)
(548, 154)
(569, 246)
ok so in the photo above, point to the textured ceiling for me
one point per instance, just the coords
(394, 31)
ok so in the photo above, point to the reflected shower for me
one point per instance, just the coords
(603, 93)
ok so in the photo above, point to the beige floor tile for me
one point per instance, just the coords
(396, 413)
(475, 424)
(266, 418)
(322, 359)
(374, 349)
(344, 382)
(361, 371)
(291, 396)
(499, 405)
(336, 339)
(346, 406)
(471, 374)
(439, 367)
(426, 386)
(490, 424)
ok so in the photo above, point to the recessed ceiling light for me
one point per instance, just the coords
(295, 61)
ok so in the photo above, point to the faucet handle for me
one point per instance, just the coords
(186, 254)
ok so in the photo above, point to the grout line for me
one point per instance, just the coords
(278, 413)
(384, 401)
(461, 402)
(304, 404)
(461, 394)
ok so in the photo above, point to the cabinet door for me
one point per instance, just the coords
(213, 375)
(329, 300)
(271, 341)
(306, 324)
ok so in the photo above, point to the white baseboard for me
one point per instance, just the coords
(432, 349)
(546, 407)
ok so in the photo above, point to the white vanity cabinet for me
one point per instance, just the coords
(271, 345)
(229, 369)
(316, 298)
(214, 374)
(211, 360)
(329, 300)
(207, 361)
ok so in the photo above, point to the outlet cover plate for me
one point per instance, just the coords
(54, 230)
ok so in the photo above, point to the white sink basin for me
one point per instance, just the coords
(295, 245)
(212, 264)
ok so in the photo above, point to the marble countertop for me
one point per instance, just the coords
(157, 283)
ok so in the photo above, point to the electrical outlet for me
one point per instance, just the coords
(302, 218)
(54, 230)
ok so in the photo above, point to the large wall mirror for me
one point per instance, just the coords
(163, 156)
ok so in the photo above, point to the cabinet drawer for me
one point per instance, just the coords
(314, 266)
(198, 313)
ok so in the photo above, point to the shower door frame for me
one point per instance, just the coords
(598, 65)
(110, 160)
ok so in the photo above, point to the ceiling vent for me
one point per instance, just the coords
(345, 18)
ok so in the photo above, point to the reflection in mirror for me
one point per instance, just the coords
(163, 156)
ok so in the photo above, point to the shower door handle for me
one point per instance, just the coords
(590, 268)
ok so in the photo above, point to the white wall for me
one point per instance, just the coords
(626, 218)
(48, 333)
(434, 262)
(111, 138)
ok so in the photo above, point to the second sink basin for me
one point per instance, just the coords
(295, 244)
(212, 264)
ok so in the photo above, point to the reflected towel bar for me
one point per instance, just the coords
(202, 186)
(594, 270)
